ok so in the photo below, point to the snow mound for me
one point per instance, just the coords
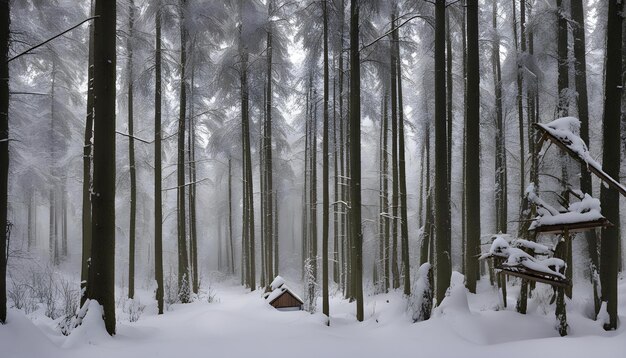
(456, 297)
(91, 330)
(19, 337)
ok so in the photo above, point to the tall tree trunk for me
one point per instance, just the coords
(442, 202)
(267, 145)
(31, 222)
(343, 123)
(563, 111)
(313, 193)
(472, 151)
(5, 21)
(158, 206)
(500, 167)
(611, 161)
(102, 269)
(394, 162)
(325, 192)
(87, 151)
(64, 223)
(305, 189)
(247, 164)
(563, 63)
(355, 155)
(52, 235)
(501, 176)
(262, 177)
(519, 97)
(183, 258)
(230, 217)
(582, 102)
(276, 258)
(464, 142)
(335, 204)
(428, 216)
(131, 156)
(449, 91)
(191, 144)
(404, 223)
(383, 235)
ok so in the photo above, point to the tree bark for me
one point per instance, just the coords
(472, 151)
(609, 197)
(5, 22)
(183, 258)
(355, 155)
(325, 192)
(158, 206)
(394, 163)
(582, 102)
(87, 151)
(131, 157)
(102, 270)
(404, 222)
(230, 217)
(191, 144)
(247, 163)
(442, 202)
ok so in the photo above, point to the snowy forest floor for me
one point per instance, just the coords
(239, 323)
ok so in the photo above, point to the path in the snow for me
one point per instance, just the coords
(241, 324)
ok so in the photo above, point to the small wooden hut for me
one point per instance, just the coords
(279, 296)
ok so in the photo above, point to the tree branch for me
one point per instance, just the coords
(52, 38)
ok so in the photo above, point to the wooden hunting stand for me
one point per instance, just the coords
(576, 148)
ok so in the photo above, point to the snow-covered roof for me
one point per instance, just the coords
(278, 288)
(585, 211)
(565, 130)
(515, 257)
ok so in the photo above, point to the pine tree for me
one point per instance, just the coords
(442, 202)
(183, 258)
(87, 150)
(500, 152)
(472, 152)
(395, 185)
(102, 268)
(355, 155)
(5, 21)
(609, 197)
(404, 221)
(580, 66)
(325, 193)
(131, 156)
(158, 204)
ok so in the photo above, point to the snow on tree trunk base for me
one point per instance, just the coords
(421, 299)
(456, 297)
(90, 327)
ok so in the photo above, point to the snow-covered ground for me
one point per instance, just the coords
(241, 324)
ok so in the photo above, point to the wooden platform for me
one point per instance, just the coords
(537, 276)
(573, 227)
(599, 173)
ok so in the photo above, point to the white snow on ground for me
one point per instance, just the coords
(242, 324)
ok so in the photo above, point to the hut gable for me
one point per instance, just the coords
(279, 296)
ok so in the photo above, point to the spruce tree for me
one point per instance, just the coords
(102, 267)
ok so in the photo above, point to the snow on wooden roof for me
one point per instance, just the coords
(580, 216)
(517, 262)
(562, 131)
(278, 288)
